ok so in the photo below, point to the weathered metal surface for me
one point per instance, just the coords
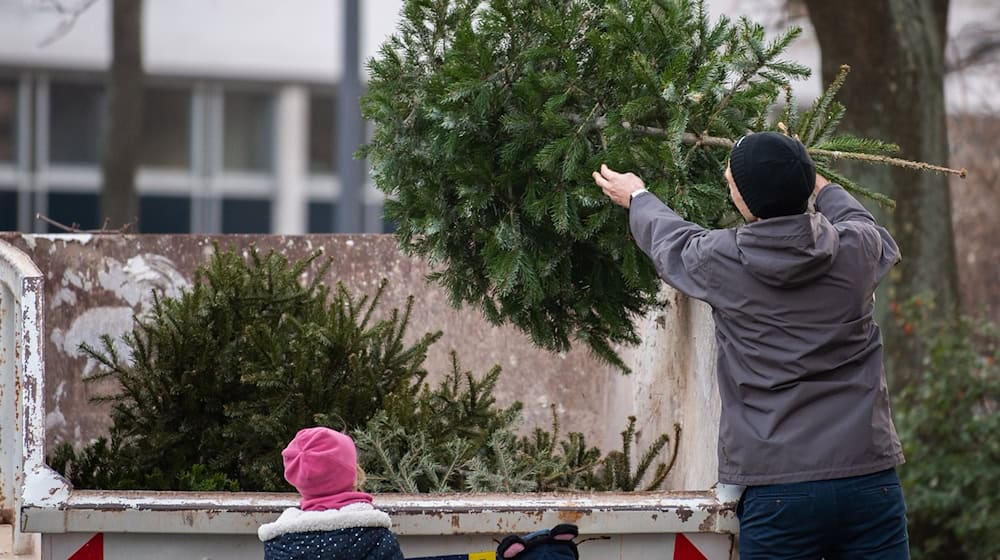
(23, 472)
(442, 514)
(673, 380)
(94, 282)
(130, 546)
(223, 526)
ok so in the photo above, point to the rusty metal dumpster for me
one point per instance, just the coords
(42, 516)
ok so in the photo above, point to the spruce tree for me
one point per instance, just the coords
(491, 115)
(453, 437)
(219, 379)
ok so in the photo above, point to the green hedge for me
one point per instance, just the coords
(949, 424)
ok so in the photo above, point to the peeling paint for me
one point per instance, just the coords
(22, 429)
(571, 516)
(55, 416)
(88, 328)
(64, 295)
(135, 281)
(76, 279)
(707, 525)
(79, 238)
(684, 513)
(44, 487)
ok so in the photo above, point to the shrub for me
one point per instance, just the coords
(949, 423)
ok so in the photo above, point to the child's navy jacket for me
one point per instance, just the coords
(353, 532)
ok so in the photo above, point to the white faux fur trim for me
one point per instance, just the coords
(294, 520)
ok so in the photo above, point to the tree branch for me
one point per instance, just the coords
(69, 16)
(691, 138)
(983, 50)
(75, 228)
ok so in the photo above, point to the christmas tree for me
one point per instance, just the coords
(491, 115)
(219, 379)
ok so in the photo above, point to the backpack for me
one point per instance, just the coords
(547, 544)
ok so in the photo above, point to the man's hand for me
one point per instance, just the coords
(821, 182)
(618, 186)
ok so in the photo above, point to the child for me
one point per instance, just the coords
(334, 521)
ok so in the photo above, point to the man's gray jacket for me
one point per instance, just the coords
(799, 353)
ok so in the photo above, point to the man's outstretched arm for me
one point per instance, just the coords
(674, 244)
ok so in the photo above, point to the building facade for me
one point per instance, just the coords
(239, 117)
(240, 103)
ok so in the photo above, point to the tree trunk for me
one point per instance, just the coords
(895, 92)
(119, 202)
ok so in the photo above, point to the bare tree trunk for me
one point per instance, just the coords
(119, 202)
(896, 92)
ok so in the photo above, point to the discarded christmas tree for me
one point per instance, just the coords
(217, 380)
(490, 117)
(454, 437)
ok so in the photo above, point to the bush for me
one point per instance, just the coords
(949, 422)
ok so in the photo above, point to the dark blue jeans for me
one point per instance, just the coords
(861, 517)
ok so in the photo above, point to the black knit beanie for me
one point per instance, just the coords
(773, 173)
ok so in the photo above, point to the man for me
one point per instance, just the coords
(805, 424)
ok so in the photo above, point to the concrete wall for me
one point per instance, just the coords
(95, 284)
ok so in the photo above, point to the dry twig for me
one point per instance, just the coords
(69, 15)
(75, 228)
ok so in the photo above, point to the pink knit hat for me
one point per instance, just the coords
(322, 465)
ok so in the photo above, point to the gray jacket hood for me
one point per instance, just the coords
(790, 250)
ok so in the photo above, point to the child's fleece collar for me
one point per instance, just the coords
(294, 520)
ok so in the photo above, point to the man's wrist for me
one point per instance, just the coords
(636, 193)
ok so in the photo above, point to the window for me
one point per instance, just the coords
(8, 210)
(76, 122)
(321, 134)
(164, 214)
(73, 209)
(248, 121)
(166, 128)
(246, 215)
(8, 121)
(321, 218)
(388, 226)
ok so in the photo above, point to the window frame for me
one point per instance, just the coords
(205, 182)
